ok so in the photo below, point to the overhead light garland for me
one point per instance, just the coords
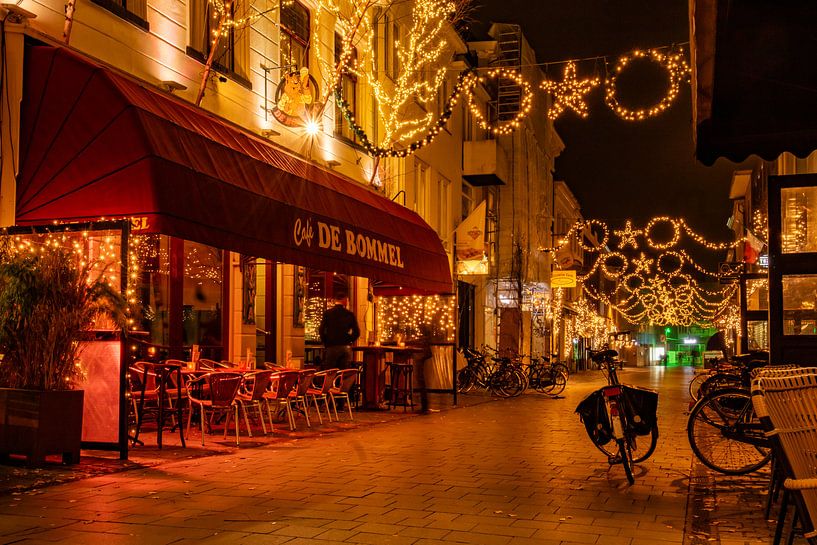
(677, 69)
(659, 289)
(569, 93)
(524, 106)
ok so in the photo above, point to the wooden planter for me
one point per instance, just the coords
(35, 424)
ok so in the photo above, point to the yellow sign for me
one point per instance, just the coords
(563, 279)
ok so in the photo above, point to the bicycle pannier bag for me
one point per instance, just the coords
(594, 416)
(642, 404)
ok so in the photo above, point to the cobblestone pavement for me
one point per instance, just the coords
(504, 472)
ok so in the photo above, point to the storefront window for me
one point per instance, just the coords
(202, 299)
(321, 290)
(399, 318)
(799, 222)
(757, 294)
(153, 287)
(758, 334)
(800, 304)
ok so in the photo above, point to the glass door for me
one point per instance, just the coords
(793, 269)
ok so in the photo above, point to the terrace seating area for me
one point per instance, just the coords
(209, 398)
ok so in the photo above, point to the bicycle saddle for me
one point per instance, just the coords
(601, 355)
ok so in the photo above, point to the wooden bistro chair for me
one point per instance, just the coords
(281, 384)
(222, 388)
(319, 391)
(344, 382)
(300, 395)
(256, 384)
(791, 402)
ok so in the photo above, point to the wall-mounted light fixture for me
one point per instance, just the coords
(269, 133)
(171, 86)
(16, 14)
(332, 163)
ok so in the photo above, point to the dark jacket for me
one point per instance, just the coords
(338, 327)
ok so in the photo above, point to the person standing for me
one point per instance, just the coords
(338, 330)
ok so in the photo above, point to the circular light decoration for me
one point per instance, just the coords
(676, 232)
(604, 239)
(605, 259)
(677, 69)
(662, 263)
(524, 105)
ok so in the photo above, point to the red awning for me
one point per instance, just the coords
(95, 143)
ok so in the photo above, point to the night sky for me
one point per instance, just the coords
(619, 169)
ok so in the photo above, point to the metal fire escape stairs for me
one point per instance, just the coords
(509, 94)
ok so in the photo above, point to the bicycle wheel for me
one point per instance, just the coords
(718, 381)
(695, 385)
(557, 384)
(511, 383)
(626, 459)
(561, 367)
(714, 433)
(642, 446)
(466, 379)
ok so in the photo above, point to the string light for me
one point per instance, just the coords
(677, 70)
(401, 317)
(524, 106)
(569, 93)
(628, 236)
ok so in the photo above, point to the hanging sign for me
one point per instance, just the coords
(296, 98)
(563, 279)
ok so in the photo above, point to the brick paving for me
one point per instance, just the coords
(500, 472)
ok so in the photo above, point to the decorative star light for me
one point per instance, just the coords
(627, 236)
(643, 264)
(569, 93)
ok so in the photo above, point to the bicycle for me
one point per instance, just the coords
(546, 377)
(620, 419)
(503, 377)
(723, 429)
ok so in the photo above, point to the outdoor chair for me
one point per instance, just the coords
(256, 384)
(344, 382)
(281, 384)
(791, 404)
(222, 388)
(273, 366)
(144, 396)
(207, 365)
(299, 394)
(322, 382)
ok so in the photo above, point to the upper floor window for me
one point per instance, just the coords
(230, 55)
(133, 11)
(348, 84)
(294, 45)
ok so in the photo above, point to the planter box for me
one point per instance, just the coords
(36, 424)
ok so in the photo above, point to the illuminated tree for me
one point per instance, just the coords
(404, 67)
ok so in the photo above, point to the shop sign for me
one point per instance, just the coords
(563, 279)
(325, 236)
(296, 98)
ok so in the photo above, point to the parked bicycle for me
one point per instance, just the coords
(723, 428)
(497, 374)
(621, 420)
(547, 377)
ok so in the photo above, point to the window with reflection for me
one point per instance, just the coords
(153, 287)
(757, 332)
(202, 295)
(800, 304)
(757, 294)
(799, 221)
(321, 290)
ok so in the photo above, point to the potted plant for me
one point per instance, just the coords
(48, 303)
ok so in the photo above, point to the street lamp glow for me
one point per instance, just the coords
(312, 128)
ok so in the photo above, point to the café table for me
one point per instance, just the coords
(374, 370)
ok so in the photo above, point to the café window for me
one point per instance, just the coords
(202, 299)
(179, 294)
(294, 47)
(348, 84)
(800, 304)
(153, 291)
(758, 333)
(321, 290)
(799, 220)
